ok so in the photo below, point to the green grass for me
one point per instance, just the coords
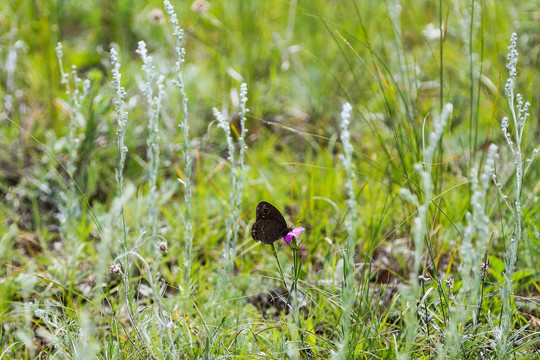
(64, 222)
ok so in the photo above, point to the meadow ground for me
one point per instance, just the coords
(138, 137)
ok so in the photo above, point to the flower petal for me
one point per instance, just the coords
(296, 231)
(293, 233)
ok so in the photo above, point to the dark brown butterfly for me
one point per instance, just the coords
(269, 225)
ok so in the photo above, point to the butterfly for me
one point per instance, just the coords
(269, 225)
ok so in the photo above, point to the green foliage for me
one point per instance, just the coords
(89, 270)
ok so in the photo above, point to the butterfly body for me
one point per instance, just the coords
(269, 225)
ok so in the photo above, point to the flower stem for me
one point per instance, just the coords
(274, 252)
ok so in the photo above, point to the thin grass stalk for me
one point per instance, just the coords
(293, 294)
(441, 57)
(292, 291)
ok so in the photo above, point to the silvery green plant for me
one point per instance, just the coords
(121, 119)
(122, 116)
(154, 107)
(420, 229)
(12, 101)
(405, 67)
(237, 171)
(72, 85)
(77, 91)
(164, 326)
(152, 79)
(512, 130)
(468, 16)
(466, 304)
(184, 128)
(72, 339)
(348, 293)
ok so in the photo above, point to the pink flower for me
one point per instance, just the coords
(293, 233)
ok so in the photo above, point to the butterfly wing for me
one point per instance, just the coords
(267, 231)
(269, 224)
(265, 210)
